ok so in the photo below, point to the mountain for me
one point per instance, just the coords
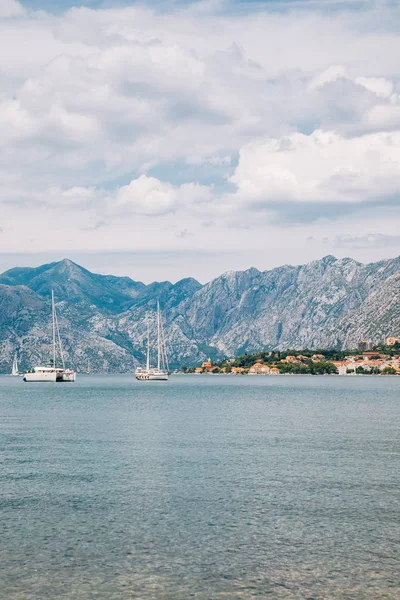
(103, 318)
(378, 316)
(285, 307)
(76, 285)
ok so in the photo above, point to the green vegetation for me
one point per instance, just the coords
(388, 350)
(389, 371)
(362, 371)
(308, 368)
(304, 362)
(273, 359)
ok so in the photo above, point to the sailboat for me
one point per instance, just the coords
(14, 370)
(52, 373)
(159, 373)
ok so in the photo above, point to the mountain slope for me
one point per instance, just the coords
(284, 307)
(328, 302)
(76, 285)
(377, 318)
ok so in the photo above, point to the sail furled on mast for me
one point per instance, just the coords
(164, 354)
(14, 370)
(148, 347)
(53, 320)
(160, 372)
(57, 343)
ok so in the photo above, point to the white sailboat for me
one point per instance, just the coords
(14, 370)
(52, 373)
(161, 372)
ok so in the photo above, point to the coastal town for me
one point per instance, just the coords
(367, 359)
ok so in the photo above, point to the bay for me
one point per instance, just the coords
(203, 487)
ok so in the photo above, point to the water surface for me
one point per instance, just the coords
(207, 487)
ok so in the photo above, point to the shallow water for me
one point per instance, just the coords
(204, 487)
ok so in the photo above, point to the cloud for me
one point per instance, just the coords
(377, 85)
(152, 197)
(226, 121)
(323, 167)
(331, 75)
(125, 90)
(95, 227)
(11, 8)
(369, 240)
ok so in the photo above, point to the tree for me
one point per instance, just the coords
(184, 369)
(389, 371)
(323, 368)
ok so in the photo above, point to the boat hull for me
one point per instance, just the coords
(58, 376)
(68, 376)
(152, 376)
(40, 377)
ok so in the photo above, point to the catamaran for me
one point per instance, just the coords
(161, 372)
(14, 370)
(52, 373)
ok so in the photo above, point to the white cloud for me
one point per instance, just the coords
(378, 85)
(368, 240)
(307, 102)
(321, 167)
(150, 196)
(332, 74)
(129, 89)
(76, 197)
(10, 8)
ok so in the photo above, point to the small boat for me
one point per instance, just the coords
(161, 372)
(52, 372)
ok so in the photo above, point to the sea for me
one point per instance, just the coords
(205, 487)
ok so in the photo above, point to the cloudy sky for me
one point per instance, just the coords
(169, 139)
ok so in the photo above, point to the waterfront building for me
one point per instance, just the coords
(274, 371)
(259, 369)
(302, 358)
(365, 345)
(318, 357)
(207, 365)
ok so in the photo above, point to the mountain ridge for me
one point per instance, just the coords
(327, 302)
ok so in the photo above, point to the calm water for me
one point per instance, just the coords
(205, 487)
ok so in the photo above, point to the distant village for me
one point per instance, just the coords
(367, 359)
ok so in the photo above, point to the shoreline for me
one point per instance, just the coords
(292, 374)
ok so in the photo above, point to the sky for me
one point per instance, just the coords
(164, 140)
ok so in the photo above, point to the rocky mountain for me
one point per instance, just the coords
(377, 317)
(285, 307)
(77, 286)
(104, 319)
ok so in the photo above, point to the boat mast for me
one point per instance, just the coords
(148, 347)
(158, 336)
(15, 365)
(164, 355)
(59, 339)
(54, 329)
